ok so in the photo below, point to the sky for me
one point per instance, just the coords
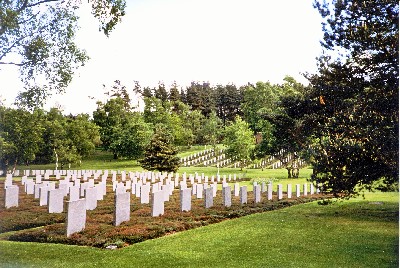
(218, 41)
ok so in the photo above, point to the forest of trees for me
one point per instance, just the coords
(40, 137)
(344, 123)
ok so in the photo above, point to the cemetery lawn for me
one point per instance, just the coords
(353, 233)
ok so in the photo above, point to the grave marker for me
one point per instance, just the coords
(280, 194)
(76, 216)
(74, 193)
(289, 191)
(122, 208)
(226, 196)
(55, 201)
(44, 192)
(208, 198)
(269, 191)
(91, 198)
(144, 194)
(297, 190)
(236, 189)
(257, 194)
(157, 204)
(305, 189)
(243, 195)
(11, 196)
(186, 199)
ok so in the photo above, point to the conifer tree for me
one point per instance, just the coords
(160, 154)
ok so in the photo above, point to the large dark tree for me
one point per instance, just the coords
(356, 134)
(285, 126)
(200, 96)
(160, 154)
(228, 101)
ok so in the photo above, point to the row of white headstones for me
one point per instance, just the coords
(83, 196)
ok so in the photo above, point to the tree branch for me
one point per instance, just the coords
(42, 2)
(12, 63)
(11, 47)
(24, 5)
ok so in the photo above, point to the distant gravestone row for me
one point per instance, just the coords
(85, 188)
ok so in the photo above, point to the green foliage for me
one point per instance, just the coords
(44, 137)
(160, 154)
(123, 132)
(355, 97)
(200, 96)
(108, 12)
(212, 130)
(258, 100)
(228, 101)
(239, 141)
(283, 125)
(38, 37)
(20, 135)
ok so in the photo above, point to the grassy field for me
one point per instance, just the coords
(354, 233)
(104, 161)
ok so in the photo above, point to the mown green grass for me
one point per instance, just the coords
(104, 161)
(354, 233)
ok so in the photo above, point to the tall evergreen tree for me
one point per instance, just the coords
(356, 95)
(160, 154)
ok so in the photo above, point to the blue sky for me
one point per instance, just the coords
(220, 41)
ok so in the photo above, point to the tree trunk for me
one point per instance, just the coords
(4, 167)
(115, 156)
(56, 158)
(15, 166)
(289, 173)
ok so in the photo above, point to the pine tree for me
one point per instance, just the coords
(357, 95)
(160, 154)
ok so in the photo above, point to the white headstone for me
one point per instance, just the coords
(30, 187)
(11, 196)
(76, 216)
(37, 189)
(226, 196)
(165, 189)
(84, 186)
(157, 204)
(91, 198)
(297, 190)
(74, 192)
(44, 191)
(186, 199)
(208, 198)
(144, 194)
(263, 187)
(236, 189)
(269, 191)
(243, 194)
(55, 201)
(280, 193)
(199, 191)
(63, 186)
(99, 191)
(122, 208)
(289, 191)
(305, 189)
(257, 194)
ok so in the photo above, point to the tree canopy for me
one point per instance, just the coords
(37, 36)
(355, 96)
(160, 154)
